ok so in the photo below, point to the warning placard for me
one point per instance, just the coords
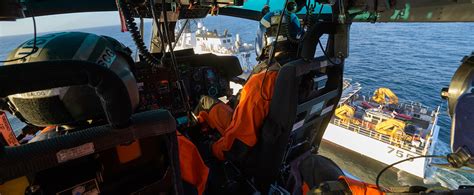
(7, 131)
(74, 153)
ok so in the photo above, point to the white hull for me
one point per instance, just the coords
(380, 151)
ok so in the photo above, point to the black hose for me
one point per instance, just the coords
(377, 180)
(312, 20)
(137, 38)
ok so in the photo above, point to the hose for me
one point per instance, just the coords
(137, 38)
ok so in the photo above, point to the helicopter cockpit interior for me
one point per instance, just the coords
(134, 150)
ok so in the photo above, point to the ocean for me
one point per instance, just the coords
(415, 60)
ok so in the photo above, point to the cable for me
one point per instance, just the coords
(35, 49)
(167, 37)
(320, 11)
(319, 41)
(174, 62)
(126, 10)
(325, 54)
(272, 53)
(261, 86)
(180, 32)
(177, 38)
(158, 29)
(377, 180)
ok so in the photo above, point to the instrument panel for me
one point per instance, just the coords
(161, 89)
(204, 81)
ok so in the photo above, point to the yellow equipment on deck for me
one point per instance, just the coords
(345, 112)
(380, 96)
(392, 127)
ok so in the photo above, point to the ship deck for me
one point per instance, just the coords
(418, 149)
(422, 120)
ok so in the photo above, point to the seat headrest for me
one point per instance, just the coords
(35, 76)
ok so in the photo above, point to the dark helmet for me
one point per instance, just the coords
(290, 30)
(72, 104)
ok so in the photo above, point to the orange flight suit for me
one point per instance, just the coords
(245, 121)
(356, 187)
(193, 169)
(361, 188)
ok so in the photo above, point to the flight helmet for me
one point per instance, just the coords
(290, 31)
(71, 104)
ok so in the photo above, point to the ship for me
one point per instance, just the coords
(384, 129)
(198, 37)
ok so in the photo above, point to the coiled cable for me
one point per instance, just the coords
(126, 10)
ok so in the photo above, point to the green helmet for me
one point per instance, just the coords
(72, 104)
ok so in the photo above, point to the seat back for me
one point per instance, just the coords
(91, 159)
(305, 96)
(65, 161)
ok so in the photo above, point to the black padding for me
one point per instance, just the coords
(303, 67)
(238, 151)
(229, 66)
(36, 76)
(37, 156)
(38, 110)
(189, 189)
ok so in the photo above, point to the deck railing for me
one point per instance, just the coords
(420, 150)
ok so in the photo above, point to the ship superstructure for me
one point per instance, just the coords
(384, 131)
(197, 36)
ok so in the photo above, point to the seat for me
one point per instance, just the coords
(305, 96)
(88, 159)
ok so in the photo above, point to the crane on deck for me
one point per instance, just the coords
(382, 94)
(392, 127)
(345, 112)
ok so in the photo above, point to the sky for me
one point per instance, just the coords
(59, 23)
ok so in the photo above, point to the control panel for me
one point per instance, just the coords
(160, 89)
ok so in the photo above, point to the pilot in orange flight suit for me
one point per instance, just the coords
(244, 122)
(248, 117)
